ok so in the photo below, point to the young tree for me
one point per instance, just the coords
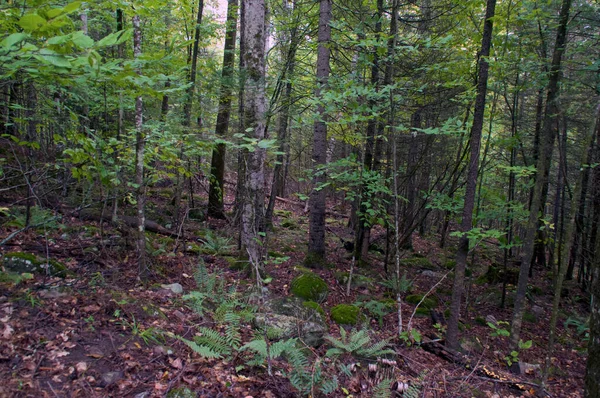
(548, 133)
(217, 165)
(316, 239)
(139, 157)
(475, 141)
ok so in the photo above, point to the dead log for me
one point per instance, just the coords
(130, 221)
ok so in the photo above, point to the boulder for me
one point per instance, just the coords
(287, 317)
(21, 263)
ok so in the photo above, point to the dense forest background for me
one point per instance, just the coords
(417, 155)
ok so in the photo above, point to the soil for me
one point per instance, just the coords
(101, 332)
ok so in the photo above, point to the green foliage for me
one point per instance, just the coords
(39, 217)
(582, 326)
(410, 337)
(357, 344)
(416, 262)
(345, 314)
(497, 330)
(398, 286)
(309, 286)
(378, 309)
(215, 244)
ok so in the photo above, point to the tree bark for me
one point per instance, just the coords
(467, 215)
(139, 159)
(255, 108)
(543, 164)
(316, 239)
(217, 164)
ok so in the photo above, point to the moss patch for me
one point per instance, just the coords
(345, 314)
(417, 262)
(313, 261)
(19, 262)
(309, 286)
(428, 304)
(315, 306)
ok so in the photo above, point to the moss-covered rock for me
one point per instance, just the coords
(417, 262)
(309, 286)
(345, 314)
(289, 317)
(357, 279)
(428, 303)
(181, 392)
(289, 224)
(315, 306)
(19, 262)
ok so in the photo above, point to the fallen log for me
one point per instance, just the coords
(130, 221)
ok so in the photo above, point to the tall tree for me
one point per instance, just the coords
(217, 164)
(316, 239)
(139, 157)
(469, 200)
(254, 120)
(548, 133)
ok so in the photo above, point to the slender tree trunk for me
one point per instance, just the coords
(475, 142)
(255, 108)
(217, 165)
(568, 244)
(316, 239)
(139, 159)
(543, 164)
(592, 374)
(187, 110)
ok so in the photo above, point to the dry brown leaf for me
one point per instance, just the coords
(81, 366)
(176, 363)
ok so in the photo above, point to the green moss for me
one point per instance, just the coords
(429, 302)
(529, 317)
(481, 321)
(314, 261)
(422, 312)
(282, 213)
(315, 306)
(357, 279)
(309, 286)
(20, 262)
(289, 224)
(450, 264)
(417, 262)
(345, 314)
(274, 254)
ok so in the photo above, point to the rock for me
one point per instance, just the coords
(524, 368)
(20, 262)
(110, 378)
(51, 293)
(174, 287)
(287, 318)
(431, 274)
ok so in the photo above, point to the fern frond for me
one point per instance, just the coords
(329, 386)
(204, 351)
(382, 389)
(258, 346)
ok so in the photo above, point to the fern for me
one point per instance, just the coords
(232, 332)
(329, 386)
(382, 389)
(358, 344)
(203, 350)
(214, 340)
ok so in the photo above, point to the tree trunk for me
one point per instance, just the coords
(316, 239)
(187, 110)
(280, 169)
(255, 108)
(475, 142)
(542, 167)
(592, 374)
(568, 244)
(139, 159)
(217, 164)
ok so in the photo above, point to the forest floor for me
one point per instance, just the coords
(100, 332)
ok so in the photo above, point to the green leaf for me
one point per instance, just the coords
(53, 58)
(32, 22)
(115, 38)
(525, 345)
(13, 39)
(82, 41)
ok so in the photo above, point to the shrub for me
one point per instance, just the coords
(309, 286)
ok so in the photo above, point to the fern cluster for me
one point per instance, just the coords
(357, 344)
